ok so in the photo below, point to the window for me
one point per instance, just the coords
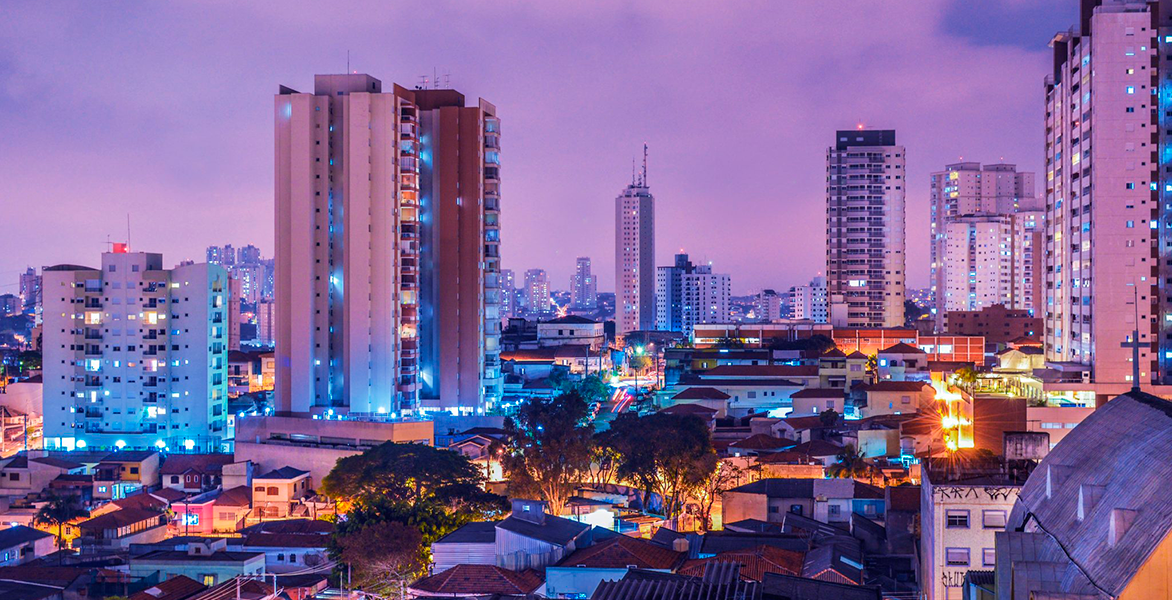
(209, 580)
(835, 510)
(957, 519)
(174, 479)
(957, 557)
(773, 509)
(1131, 224)
(989, 557)
(993, 519)
(795, 509)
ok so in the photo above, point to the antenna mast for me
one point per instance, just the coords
(644, 178)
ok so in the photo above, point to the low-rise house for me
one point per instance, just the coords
(719, 581)
(755, 562)
(528, 538)
(36, 582)
(288, 545)
(578, 575)
(20, 544)
(179, 587)
(120, 528)
(701, 396)
(217, 511)
(463, 581)
(471, 544)
(814, 401)
(758, 444)
(826, 500)
(894, 397)
(275, 492)
(837, 370)
(792, 587)
(194, 473)
(21, 475)
(207, 562)
(120, 474)
(901, 362)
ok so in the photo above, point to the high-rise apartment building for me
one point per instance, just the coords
(509, 300)
(537, 292)
(810, 302)
(979, 237)
(1108, 183)
(687, 294)
(767, 306)
(248, 256)
(266, 322)
(635, 255)
(583, 286)
(30, 288)
(224, 256)
(865, 238)
(388, 260)
(136, 356)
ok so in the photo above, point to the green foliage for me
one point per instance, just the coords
(548, 448)
(851, 465)
(61, 509)
(407, 473)
(383, 556)
(671, 455)
(828, 417)
(30, 360)
(639, 362)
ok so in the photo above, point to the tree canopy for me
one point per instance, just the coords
(406, 473)
(384, 557)
(548, 447)
(670, 455)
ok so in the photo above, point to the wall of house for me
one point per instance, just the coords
(939, 580)
(447, 555)
(576, 582)
(1154, 577)
(738, 506)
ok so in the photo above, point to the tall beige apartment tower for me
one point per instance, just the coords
(634, 253)
(982, 231)
(865, 238)
(387, 230)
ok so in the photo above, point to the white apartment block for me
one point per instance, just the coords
(583, 286)
(810, 302)
(767, 306)
(1103, 194)
(537, 291)
(979, 198)
(135, 356)
(865, 229)
(635, 256)
(706, 297)
(958, 522)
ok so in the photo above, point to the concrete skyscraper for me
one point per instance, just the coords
(809, 302)
(387, 261)
(635, 255)
(537, 292)
(1108, 189)
(979, 238)
(865, 238)
(583, 286)
(136, 356)
(687, 294)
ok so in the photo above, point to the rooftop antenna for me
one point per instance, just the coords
(128, 231)
(347, 61)
(634, 172)
(434, 78)
(643, 180)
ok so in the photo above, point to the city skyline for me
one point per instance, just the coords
(135, 142)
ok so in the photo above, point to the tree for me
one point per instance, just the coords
(604, 459)
(408, 473)
(548, 448)
(912, 312)
(828, 417)
(384, 557)
(639, 362)
(723, 478)
(967, 378)
(593, 389)
(851, 465)
(61, 509)
(670, 455)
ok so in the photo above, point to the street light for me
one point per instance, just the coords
(638, 352)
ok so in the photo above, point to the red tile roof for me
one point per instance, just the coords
(904, 498)
(622, 552)
(699, 410)
(207, 464)
(755, 562)
(477, 580)
(856, 354)
(800, 423)
(174, 588)
(763, 441)
(902, 348)
(817, 448)
(895, 386)
(819, 393)
(760, 371)
(121, 518)
(701, 393)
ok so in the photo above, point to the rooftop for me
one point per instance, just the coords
(285, 473)
(478, 580)
(476, 532)
(622, 552)
(20, 534)
(177, 587)
(701, 393)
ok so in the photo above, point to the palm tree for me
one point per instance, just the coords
(61, 509)
(851, 465)
(967, 378)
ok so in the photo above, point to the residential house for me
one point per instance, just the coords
(21, 475)
(208, 562)
(902, 362)
(578, 575)
(470, 544)
(761, 443)
(463, 581)
(120, 474)
(826, 500)
(894, 397)
(528, 538)
(815, 401)
(837, 370)
(703, 396)
(20, 544)
(217, 511)
(194, 473)
(122, 527)
(37, 582)
(719, 581)
(705, 413)
(754, 561)
(275, 492)
(179, 587)
(793, 587)
(288, 545)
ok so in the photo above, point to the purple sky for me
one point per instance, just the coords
(163, 110)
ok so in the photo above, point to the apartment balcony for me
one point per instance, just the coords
(93, 351)
(93, 303)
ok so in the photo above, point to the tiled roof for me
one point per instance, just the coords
(237, 496)
(291, 526)
(476, 532)
(760, 371)
(691, 408)
(20, 534)
(856, 354)
(755, 562)
(763, 441)
(121, 518)
(701, 393)
(779, 488)
(894, 386)
(60, 463)
(141, 500)
(720, 581)
(904, 498)
(177, 587)
(835, 353)
(1114, 465)
(777, 585)
(623, 552)
(837, 393)
(800, 423)
(283, 473)
(208, 464)
(902, 348)
(478, 580)
(817, 448)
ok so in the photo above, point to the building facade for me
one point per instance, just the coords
(387, 261)
(583, 286)
(984, 221)
(865, 237)
(635, 256)
(810, 302)
(768, 305)
(136, 356)
(537, 292)
(1104, 191)
(509, 304)
(30, 288)
(706, 298)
